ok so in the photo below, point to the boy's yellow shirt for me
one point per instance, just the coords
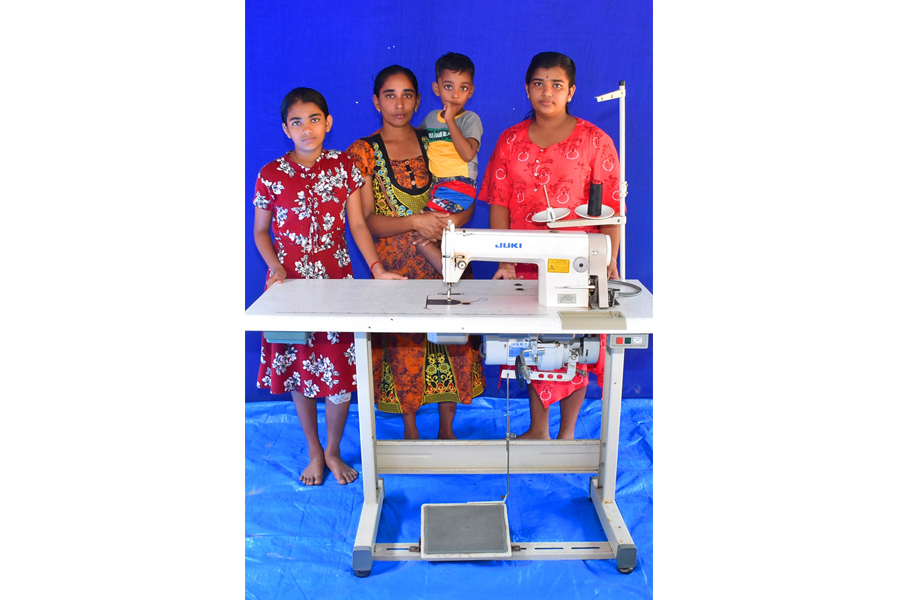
(443, 159)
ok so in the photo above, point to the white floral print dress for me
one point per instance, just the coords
(308, 230)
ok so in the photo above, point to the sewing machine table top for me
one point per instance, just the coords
(486, 306)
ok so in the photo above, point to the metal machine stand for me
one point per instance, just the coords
(368, 306)
(463, 456)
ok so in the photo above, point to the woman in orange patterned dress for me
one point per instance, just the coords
(409, 370)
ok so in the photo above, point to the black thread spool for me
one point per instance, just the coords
(595, 202)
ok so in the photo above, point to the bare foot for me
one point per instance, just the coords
(444, 436)
(314, 473)
(343, 472)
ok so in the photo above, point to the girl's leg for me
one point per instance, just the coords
(335, 419)
(569, 407)
(539, 429)
(446, 411)
(314, 473)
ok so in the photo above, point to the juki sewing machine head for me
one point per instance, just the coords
(571, 264)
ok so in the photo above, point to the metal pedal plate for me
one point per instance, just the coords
(470, 531)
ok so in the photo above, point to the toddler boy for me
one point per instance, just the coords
(454, 135)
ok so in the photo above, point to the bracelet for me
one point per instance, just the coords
(373, 264)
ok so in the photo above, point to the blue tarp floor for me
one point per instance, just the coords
(299, 539)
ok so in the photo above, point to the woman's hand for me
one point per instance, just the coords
(430, 224)
(278, 275)
(612, 271)
(505, 271)
(379, 272)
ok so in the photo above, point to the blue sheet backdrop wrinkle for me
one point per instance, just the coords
(299, 539)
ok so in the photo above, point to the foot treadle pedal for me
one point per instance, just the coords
(470, 531)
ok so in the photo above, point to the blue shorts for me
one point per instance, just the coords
(452, 194)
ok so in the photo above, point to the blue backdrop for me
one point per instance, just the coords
(338, 52)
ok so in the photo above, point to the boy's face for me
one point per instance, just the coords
(454, 88)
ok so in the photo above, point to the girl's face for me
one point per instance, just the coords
(549, 92)
(306, 126)
(397, 101)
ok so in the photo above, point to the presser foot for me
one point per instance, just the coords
(612, 296)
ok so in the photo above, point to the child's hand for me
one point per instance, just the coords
(278, 276)
(379, 272)
(449, 112)
(418, 240)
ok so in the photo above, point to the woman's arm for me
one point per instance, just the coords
(262, 221)
(605, 170)
(429, 224)
(496, 190)
(499, 219)
(458, 219)
(612, 271)
(363, 238)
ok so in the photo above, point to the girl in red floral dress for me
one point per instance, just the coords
(306, 198)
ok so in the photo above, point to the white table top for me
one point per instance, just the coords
(368, 305)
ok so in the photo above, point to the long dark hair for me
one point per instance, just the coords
(302, 94)
(550, 60)
(394, 70)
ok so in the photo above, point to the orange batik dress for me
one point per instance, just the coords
(410, 371)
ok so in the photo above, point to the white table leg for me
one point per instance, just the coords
(373, 486)
(603, 487)
(611, 413)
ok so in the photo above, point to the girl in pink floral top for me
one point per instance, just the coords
(554, 153)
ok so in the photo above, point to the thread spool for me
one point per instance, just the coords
(595, 201)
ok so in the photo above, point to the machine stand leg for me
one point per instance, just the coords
(364, 547)
(362, 562)
(626, 558)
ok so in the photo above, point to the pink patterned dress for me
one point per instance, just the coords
(516, 176)
(519, 169)
(308, 227)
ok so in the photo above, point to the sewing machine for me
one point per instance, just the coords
(503, 308)
(570, 309)
(571, 264)
(571, 273)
